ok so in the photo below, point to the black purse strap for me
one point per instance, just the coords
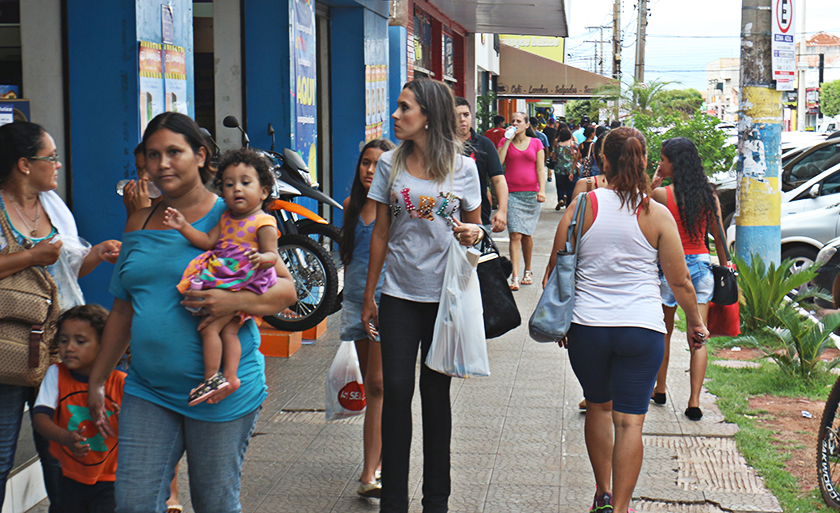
(722, 235)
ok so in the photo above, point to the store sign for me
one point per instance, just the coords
(304, 130)
(150, 69)
(549, 47)
(783, 47)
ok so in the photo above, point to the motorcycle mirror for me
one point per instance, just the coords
(292, 158)
(271, 133)
(231, 122)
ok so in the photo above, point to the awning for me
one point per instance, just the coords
(534, 17)
(525, 75)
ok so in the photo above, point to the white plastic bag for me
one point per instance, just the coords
(74, 249)
(345, 390)
(459, 348)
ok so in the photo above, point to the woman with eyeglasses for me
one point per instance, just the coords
(41, 223)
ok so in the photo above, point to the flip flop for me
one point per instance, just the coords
(208, 388)
(175, 508)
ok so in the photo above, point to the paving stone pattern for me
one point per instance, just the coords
(517, 441)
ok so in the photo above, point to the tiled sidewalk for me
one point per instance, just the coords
(517, 440)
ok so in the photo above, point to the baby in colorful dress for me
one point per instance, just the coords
(242, 252)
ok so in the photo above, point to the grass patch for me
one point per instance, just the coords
(733, 388)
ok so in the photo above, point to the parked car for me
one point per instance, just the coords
(827, 275)
(810, 217)
(799, 164)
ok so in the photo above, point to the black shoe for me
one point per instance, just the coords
(658, 398)
(694, 414)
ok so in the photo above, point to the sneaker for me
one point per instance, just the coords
(373, 489)
(602, 503)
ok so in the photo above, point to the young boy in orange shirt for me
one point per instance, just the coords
(88, 461)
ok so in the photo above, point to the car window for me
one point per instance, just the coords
(831, 185)
(816, 162)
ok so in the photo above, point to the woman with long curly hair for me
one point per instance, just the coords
(359, 217)
(616, 338)
(694, 205)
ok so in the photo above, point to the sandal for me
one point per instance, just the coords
(208, 388)
(514, 283)
(528, 279)
(175, 508)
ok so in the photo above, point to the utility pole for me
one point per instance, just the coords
(616, 40)
(600, 42)
(801, 66)
(640, 41)
(758, 200)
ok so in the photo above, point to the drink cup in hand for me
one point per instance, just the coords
(510, 132)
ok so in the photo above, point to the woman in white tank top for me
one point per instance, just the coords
(616, 341)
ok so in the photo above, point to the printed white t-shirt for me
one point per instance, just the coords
(421, 228)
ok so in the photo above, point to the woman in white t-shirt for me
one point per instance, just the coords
(426, 192)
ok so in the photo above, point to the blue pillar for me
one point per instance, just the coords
(398, 67)
(102, 48)
(347, 75)
(266, 66)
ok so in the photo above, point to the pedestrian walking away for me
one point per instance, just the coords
(696, 210)
(426, 192)
(566, 155)
(483, 152)
(524, 158)
(359, 217)
(157, 426)
(616, 339)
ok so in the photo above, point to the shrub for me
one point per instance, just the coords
(763, 290)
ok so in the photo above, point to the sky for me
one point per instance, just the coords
(682, 37)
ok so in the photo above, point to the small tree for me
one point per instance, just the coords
(485, 111)
(681, 102)
(576, 109)
(830, 98)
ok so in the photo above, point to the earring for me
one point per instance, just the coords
(427, 126)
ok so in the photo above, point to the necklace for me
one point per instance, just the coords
(19, 209)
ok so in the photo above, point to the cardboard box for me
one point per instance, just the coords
(282, 344)
(316, 332)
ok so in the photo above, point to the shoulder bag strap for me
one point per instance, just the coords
(577, 221)
(12, 245)
(722, 235)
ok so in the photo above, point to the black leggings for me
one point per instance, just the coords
(403, 326)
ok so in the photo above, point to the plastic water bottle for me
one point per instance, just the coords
(510, 132)
(195, 284)
(154, 192)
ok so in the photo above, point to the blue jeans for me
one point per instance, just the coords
(12, 399)
(152, 440)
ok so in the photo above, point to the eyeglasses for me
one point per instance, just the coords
(52, 158)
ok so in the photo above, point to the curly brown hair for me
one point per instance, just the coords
(625, 160)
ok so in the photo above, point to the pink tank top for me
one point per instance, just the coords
(521, 167)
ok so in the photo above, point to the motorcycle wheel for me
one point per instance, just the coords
(315, 279)
(328, 237)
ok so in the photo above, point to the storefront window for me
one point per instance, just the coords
(448, 57)
(422, 40)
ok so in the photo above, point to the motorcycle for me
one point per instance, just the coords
(308, 244)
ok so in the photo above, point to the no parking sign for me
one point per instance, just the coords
(783, 47)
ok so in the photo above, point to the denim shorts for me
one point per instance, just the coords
(700, 267)
(351, 322)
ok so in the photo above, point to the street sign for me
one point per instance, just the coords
(783, 47)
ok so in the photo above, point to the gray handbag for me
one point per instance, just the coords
(551, 319)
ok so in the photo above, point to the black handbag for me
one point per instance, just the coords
(500, 311)
(726, 279)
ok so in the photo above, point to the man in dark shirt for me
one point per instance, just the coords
(550, 131)
(483, 152)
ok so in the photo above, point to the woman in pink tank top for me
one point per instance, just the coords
(523, 155)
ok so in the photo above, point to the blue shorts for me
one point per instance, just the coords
(351, 321)
(700, 267)
(617, 364)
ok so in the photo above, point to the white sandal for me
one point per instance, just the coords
(514, 283)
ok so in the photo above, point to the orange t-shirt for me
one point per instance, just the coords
(100, 463)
